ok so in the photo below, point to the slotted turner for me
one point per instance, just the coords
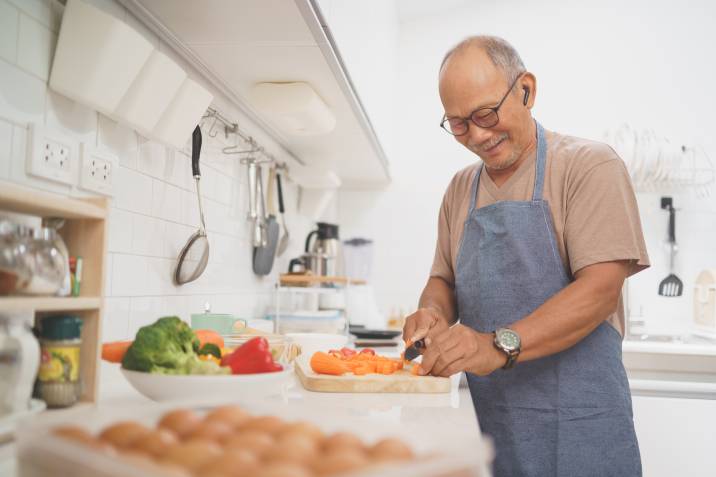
(671, 285)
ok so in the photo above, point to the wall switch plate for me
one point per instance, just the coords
(97, 169)
(50, 155)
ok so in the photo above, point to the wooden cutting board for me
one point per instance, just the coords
(399, 382)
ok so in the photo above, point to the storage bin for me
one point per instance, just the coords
(97, 57)
(183, 114)
(151, 93)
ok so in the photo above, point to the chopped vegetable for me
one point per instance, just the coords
(324, 363)
(211, 349)
(114, 351)
(167, 347)
(252, 357)
(209, 336)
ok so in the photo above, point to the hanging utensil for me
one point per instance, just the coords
(264, 255)
(671, 285)
(283, 243)
(194, 257)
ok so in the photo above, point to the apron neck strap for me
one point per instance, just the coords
(539, 172)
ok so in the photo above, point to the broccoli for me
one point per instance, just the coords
(168, 346)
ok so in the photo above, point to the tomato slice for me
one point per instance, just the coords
(369, 351)
(347, 352)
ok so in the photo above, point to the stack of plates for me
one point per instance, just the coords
(368, 338)
(322, 321)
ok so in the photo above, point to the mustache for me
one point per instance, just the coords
(478, 148)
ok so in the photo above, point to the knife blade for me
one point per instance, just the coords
(413, 351)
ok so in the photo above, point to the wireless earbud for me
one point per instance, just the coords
(527, 95)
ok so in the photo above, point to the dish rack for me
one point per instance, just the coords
(659, 164)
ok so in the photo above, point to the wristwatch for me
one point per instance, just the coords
(507, 341)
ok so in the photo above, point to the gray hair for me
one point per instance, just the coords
(503, 55)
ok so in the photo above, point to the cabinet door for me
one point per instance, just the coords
(676, 436)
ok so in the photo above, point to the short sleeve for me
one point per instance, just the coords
(602, 220)
(442, 263)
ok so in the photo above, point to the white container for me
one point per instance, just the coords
(239, 387)
(151, 93)
(97, 57)
(183, 114)
(705, 303)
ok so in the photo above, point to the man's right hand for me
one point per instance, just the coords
(425, 322)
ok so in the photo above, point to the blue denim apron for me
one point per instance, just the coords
(564, 415)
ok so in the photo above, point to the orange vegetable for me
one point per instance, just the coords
(114, 351)
(415, 369)
(324, 363)
(209, 336)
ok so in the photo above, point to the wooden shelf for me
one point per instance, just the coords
(49, 303)
(298, 280)
(24, 200)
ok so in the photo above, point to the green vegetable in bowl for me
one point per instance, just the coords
(168, 346)
(210, 348)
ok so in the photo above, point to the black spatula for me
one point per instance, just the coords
(671, 285)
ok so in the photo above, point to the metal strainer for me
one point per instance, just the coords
(195, 254)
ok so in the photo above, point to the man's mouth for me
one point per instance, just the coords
(489, 147)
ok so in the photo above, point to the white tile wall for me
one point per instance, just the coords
(154, 210)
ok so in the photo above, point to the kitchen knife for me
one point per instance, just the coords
(413, 351)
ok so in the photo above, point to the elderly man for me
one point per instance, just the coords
(534, 244)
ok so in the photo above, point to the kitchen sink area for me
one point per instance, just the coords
(678, 365)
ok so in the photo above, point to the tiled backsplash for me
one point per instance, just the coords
(154, 209)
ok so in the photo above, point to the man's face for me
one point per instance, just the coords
(470, 81)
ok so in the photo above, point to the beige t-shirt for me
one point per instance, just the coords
(590, 196)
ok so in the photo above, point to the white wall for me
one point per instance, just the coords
(598, 64)
(154, 209)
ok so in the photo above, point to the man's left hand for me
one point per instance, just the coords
(461, 348)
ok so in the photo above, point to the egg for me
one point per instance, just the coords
(192, 455)
(342, 440)
(269, 424)
(181, 422)
(391, 449)
(232, 463)
(81, 436)
(233, 416)
(211, 431)
(342, 460)
(123, 434)
(301, 428)
(283, 470)
(257, 442)
(297, 448)
(156, 442)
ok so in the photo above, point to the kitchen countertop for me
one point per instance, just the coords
(444, 422)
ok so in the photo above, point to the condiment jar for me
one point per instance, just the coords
(19, 360)
(59, 377)
(14, 267)
(49, 263)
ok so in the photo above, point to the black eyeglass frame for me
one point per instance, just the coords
(471, 118)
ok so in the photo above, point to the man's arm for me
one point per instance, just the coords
(560, 323)
(436, 311)
(574, 312)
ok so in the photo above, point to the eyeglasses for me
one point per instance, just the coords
(482, 117)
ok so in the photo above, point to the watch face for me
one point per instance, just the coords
(508, 339)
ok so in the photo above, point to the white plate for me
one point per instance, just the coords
(9, 422)
(165, 387)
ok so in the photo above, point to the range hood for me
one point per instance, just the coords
(237, 44)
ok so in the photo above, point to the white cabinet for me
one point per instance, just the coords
(677, 437)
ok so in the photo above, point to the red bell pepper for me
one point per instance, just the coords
(252, 357)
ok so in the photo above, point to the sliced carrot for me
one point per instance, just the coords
(323, 363)
(114, 351)
(416, 369)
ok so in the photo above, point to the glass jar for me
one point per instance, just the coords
(59, 376)
(19, 361)
(48, 262)
(15, 269)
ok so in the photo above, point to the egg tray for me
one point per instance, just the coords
(41, 453)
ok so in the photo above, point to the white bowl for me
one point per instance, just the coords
(237, 387)
(312, 342)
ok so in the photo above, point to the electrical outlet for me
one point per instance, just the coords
(97, 170)
(50, 155)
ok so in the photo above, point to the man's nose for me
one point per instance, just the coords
(477, 135)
